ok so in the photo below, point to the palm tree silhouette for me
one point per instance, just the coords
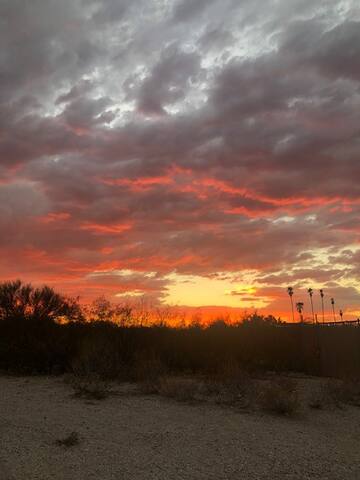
(299, 308)
(290, 291)
(341, 313)
(322, 304)
(333, 308)
(311, 292)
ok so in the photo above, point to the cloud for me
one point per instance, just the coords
(331, 52)
(168, 81)
(192, 138)
(186, 10)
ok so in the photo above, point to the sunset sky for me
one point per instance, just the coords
(191, 152)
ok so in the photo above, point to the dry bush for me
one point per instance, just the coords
(328, 395)
(279, 396)
(351, 392)
(148, 370)
(97, 356)
(183, 389)
(319, 399)
(90, 387)
(229, 385)
(337, 393)
(71, 440)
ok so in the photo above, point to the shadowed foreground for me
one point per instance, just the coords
(148, 437)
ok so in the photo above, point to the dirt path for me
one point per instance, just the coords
(139, 437)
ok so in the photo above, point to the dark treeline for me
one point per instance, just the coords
(34, 341)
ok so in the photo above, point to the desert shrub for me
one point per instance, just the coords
(229, 384)
(69, 441)
(98, 355)
(351, 391)
(147, 366)
(319, 399)
(182, 389)
(329, 394)
(279, 396)
(337, 393)
(32, 347)
(89, 388)
(147, 369)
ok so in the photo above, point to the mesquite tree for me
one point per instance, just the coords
(23, 301)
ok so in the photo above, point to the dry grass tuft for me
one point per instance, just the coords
(318, 400)
(229, 385)
(90, 387)
(71, 440)
(279, 396)
(183, 389)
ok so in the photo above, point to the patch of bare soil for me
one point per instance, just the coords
(46, 433)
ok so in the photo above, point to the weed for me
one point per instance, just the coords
(71, 440)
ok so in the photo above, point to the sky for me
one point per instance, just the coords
(199, 153)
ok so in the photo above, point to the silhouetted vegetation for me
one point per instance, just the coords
(36, 339)
(24, 302)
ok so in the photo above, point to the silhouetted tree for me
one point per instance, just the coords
(102, 310)
(311, 293)
(23, 301)
(299, 308)
(290, 291)
(322, 304)
(333, 308)
(255, 319)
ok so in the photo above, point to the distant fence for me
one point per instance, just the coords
(342, 322)
(354, 323)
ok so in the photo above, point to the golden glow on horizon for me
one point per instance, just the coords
(232, 290)
(196, 291)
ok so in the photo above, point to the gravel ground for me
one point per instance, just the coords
(148, 437)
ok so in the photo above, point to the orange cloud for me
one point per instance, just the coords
(103, 229)
(54, 217)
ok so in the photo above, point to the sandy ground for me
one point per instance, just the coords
(148, 437)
